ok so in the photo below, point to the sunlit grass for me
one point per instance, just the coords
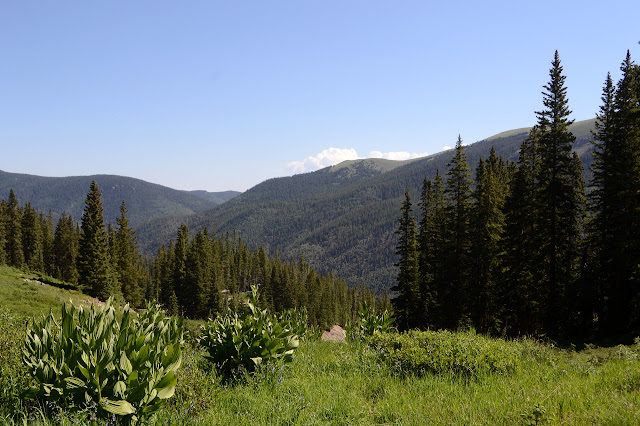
(27, 294)
(348, 383)
(331, 383)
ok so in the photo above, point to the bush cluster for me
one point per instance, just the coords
(462, 353)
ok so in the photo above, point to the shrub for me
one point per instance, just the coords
(369, 323)
(92, 360)
(242, 342)
(466, 354)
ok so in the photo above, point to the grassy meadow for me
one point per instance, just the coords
(349, 383)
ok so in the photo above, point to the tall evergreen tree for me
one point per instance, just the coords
(15, 253)
(65, 250)
(601, 210)
(437, 231)
(407, 301)
(458, 196)
(127, 260)
(426, 253)
(163, 276)
(4, 225)
(179, 268)
(615, 200)
(94, 265)
(518, 292)
(47, 229)
(577, 289)
(32, 243)
(487, 224)
(200, 275)
(559, 229)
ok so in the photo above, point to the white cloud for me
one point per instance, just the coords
(446, 147)
(328, 157)
(333, 156)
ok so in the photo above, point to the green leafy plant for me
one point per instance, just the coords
(125, 366)
(467, 354)
(298, 319)
(242, 342)
(369, 323)
(535, 416)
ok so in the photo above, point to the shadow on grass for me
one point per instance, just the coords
(50, 281)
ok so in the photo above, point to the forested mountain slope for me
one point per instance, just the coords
(215, 197)
(341, 218)
(145, 201)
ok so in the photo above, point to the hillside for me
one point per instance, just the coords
(145, 201)
(341, 218)
(216, 197)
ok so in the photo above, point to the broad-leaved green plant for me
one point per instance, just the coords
(242, 342)
(123, 366)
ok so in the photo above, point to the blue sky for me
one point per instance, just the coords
(222, 95)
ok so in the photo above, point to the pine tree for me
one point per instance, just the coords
(437, 231)
(487, 223)
(162, 275)
(94, 264)
(15, 253)
(603, 202)
(65, 250)
(518, 292)
(577, 250)
(128, 261)
(426, 253)
(4, 224)
(32, 244)
(458, 196)
(47, 228)
(179, 267)
(615, 200)
(200, 275)
(407, 301)
(558, 230)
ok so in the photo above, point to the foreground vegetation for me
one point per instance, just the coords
(363, 382)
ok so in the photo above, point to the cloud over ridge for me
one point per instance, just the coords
(333, 156)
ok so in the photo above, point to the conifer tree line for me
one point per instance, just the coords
(529, 248)
(195, 276)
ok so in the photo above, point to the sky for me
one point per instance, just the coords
(222, 95)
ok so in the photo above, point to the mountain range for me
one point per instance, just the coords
(340, 218)
(144, 201)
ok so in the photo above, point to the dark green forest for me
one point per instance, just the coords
(193, 275)
(529, 248)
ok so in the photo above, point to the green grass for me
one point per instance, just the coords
(348, 383)
(332, 383)
(29, 294)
